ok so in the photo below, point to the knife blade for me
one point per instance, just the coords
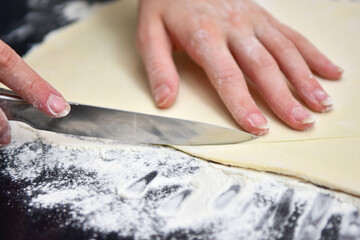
(124, 126)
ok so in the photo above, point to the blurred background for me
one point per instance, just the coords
(24, 23)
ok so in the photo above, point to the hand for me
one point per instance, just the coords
(19, 77)
(231, 39)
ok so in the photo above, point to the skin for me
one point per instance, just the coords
(19, 77)
(229, 39)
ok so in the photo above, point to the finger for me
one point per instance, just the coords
(230, 83)
(155, 48)
(317, 61)
(5, 130)
(262, 69)
(18, 76)
(295, 68)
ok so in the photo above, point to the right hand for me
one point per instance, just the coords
(19, 77)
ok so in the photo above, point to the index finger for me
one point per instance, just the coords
(22, 79)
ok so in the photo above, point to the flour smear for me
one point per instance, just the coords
(146, 191)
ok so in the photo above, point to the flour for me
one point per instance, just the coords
(145, 191)
(76, 10)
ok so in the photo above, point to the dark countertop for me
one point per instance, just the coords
(24, 23)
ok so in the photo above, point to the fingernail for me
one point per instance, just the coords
(340, 70)
(302, 116)
(58, 106)
(324, 99)
(334, 66)
(5, 139)
(258, 121)
(161, 95)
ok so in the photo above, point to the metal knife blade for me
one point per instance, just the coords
(130, 127)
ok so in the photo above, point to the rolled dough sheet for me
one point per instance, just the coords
(95, 61)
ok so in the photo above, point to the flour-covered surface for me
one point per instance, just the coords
(57, 187)
(24, 23)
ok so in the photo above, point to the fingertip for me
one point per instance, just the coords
(162, 96)
(164, 89)
(308, 124)
(325, 102)
(258, 124)
(302, 120)
(57, 106)
(316, 60)
(339, 70)
(337, 73)
(254, 123)
(261, 131)
(330, 71)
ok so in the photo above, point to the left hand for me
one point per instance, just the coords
(230, 39)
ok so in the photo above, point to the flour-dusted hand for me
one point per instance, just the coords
(231, 39)
(18, 76)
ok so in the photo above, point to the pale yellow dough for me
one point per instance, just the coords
(95, 61)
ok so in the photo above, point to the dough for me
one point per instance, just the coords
(95, 62)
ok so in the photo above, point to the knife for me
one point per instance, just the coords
(124, 126)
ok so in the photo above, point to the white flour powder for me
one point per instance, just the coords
(145, 191)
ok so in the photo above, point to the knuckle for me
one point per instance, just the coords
(8, 58)
(203, 43)
(226, 76)
(204, 34)
(157, 69)
(258, 57)
(286, 45)
(265, 62)
(296, 36)
(33, 85)
(198, 38)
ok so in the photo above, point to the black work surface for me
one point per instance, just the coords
(249, 208)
